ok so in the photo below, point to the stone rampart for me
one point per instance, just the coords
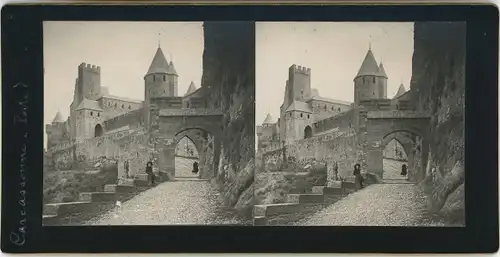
(130, 144)
(342, 148)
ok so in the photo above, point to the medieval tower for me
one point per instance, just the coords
(371, 80)
(161, 80)
(305, 113)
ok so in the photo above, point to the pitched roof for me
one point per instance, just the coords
(401, 91)
(171, 69)
(89, 104)
(369, 65)
(381, 71)
(269, 119)
(299, 106)
(191, 88)
(159, 63)
(58, 117)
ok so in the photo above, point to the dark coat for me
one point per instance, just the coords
(149, 167)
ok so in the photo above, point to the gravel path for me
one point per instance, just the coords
(170, 203)
(394, 204)
(376, 205)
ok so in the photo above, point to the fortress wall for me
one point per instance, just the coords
(115, 107)
(133, 119)
(342, 121)
(342, 148)
(323, 110)
(131, 145)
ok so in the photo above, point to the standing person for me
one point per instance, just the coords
(357, 174)
(149, 171)
(195, 167)
(126, 167)
(404, 170)
(336, 171)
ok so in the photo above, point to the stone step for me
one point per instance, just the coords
(119, 188)
(141, 183)
(98, 196)
(259, 210)
(327, 190)
(259, 221)
(127, 182)
(276, 208)
(334, 184)
(350, 179)
(397, 181)
(348, 185)
(49, 219)
(144, 177)
(189, 179)
(305, 198)
(48, 216)
(60, 209)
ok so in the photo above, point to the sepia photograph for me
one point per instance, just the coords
(360, 124)
(148, 123)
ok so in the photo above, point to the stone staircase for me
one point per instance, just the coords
(91, 204)
(299, 206)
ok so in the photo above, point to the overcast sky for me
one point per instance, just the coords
(333, 50)
(124, 50)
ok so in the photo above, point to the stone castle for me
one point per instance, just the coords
(94, 112)
(305, 113)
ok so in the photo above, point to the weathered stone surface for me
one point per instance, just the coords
(305, 198)
(228, 66)
(97, 196)
(438, 78)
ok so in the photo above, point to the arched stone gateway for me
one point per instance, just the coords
(407, 127)
(98, 130)
(308, 132)
(203, 127)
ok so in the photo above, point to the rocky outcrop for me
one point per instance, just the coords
(229, 78)
(438, 85)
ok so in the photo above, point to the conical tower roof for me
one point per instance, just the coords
(58, 117)
(381, 71)
(171, 69)
(401, 91)
(369, 65)
(159, 63)
(191, 88)
(269, 119)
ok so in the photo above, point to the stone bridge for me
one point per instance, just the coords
(409, 128)
(202, 126)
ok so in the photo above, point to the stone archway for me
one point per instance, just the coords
(308, 132)
(183, 165)
(409, 128)
(186, 156)
(174, 124)
(98, 130)
(207, 145)
(394, 156)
